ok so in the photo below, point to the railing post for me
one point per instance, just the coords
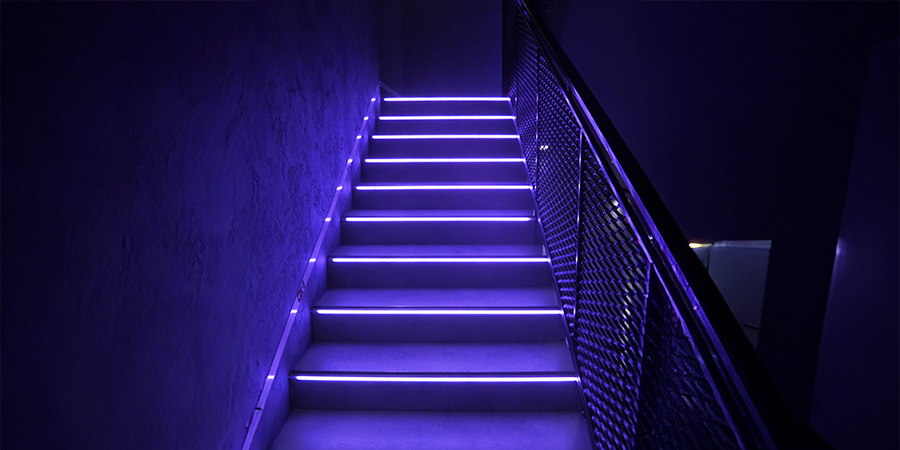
(576, 295)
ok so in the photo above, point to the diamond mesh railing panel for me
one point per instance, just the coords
(525, 95)
(678, 406)
(611, 298)
(644, 383)
(556, 188)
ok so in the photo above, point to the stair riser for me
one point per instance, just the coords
(506, 126)
(443, 199)
(444, 108)
(444, 148)
(506, 172)
(425, 233)
(438, 275)
(396, 396)
(438, 328)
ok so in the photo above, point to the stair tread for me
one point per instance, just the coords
(438, 251)
(317, 430)
(460, 298)
(435, 358)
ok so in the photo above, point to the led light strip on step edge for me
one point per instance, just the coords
(445, 136)
(439, 219)
(446, 99)
(440, 378)
(471, 117)
(442, 160)
(443, 187)
(435, 312)
(460, 259)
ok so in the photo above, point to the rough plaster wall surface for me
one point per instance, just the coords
(165, 170)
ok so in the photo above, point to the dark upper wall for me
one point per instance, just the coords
(856, 401)
(743, 115)
(165, 171)
(441, 48)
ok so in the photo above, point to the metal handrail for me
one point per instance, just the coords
(760, 416)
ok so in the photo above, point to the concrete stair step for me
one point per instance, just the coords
(370, 430)
(437, 324)
(439, 298)
(392, 106)
(443, 376)
(408, 227)
(445, 124)
(384, 146)
(439, 266)
(483, 170)
(436, 358)
(443, 195)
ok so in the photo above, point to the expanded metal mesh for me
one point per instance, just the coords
(644, 383)
(610, 302)
(556, 183)
(525, 95)
(678, 408)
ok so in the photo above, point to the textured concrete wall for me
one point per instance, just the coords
(165, 171)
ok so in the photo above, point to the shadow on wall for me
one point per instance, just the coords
(165, 170)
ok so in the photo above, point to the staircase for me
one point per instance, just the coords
(440, 327)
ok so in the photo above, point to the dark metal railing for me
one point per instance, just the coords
(662, 360)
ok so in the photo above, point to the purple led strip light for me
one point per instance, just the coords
(442, 160)
(440, 219)
(470, 117)
(442, 187)
(440, 378)
(438, 259)
(446, 99)
(435, 312)
(445, 136)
